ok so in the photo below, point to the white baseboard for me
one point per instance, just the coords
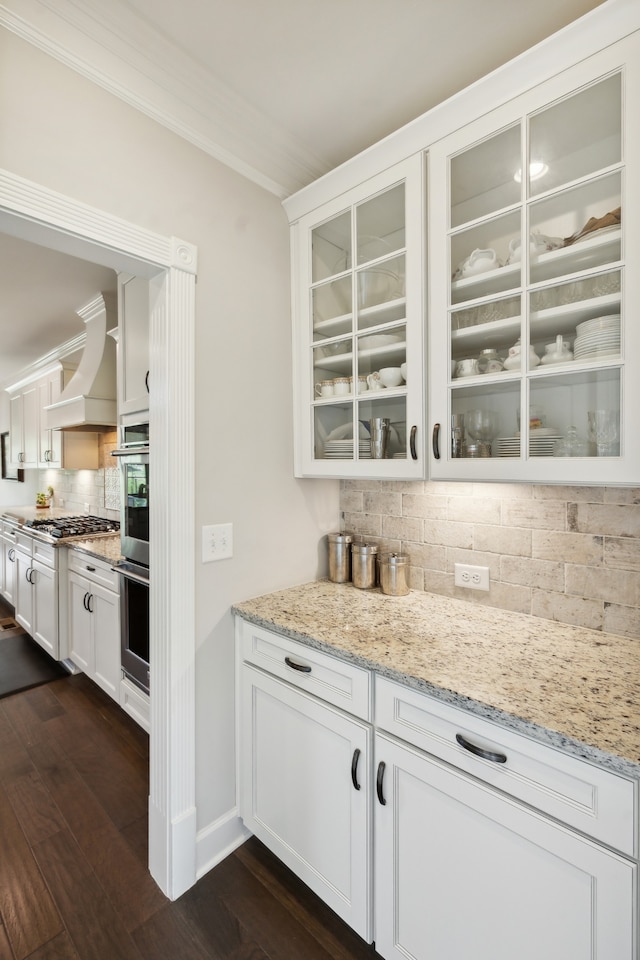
(218, 840)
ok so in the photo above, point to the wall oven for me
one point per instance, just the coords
(133, 454)
(134, 622)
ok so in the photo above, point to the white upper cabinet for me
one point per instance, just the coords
(358, 330)
(133, 344)
(534, 343)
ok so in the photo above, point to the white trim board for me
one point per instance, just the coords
(43, 216)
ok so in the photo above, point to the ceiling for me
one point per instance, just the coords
(281, 91)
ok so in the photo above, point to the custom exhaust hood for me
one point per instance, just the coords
(88, 402)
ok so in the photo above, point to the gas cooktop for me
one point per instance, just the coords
(66, 528)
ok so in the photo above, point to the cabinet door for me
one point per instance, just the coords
(463, 871)
(80, 623)
(534, 341)
(358, 331)
(10, 564)
(105, 612)
(45, 607)
(133, 344)
(23, 599)
(305, 790)
(30, 426)
(16, 432)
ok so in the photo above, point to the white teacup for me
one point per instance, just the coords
(324, 388)
(403, 371)
(467, 368)
(373, 381)
(390, 376)
(341, 387)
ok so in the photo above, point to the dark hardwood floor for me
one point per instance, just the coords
(74, 883)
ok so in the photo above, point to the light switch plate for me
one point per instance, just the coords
(217, 542)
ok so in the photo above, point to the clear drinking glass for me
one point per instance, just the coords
(604, 431)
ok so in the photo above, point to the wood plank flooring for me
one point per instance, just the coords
(74, 883)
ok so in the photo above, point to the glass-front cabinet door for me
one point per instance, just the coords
(358, 331)
(535, 339)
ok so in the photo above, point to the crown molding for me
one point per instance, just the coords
(113, 47)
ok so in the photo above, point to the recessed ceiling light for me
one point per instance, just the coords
(537, 169)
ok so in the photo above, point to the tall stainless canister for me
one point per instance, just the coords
(339, 557)
(363, 565)
(394, 574)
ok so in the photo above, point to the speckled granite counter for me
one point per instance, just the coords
(22, 514)
(104, 548)
(577, 690)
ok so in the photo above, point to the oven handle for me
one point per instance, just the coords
(134, 451)
(132, 576)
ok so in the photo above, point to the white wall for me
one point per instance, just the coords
(64, 133)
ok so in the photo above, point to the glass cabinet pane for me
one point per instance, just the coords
(483, 178)
(331, 247)
(577, 137)
(380, 225)
(486, 259)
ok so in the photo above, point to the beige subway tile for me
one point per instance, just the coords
(504, 540)
(426, 555)
(363, 485)
(473, 510)
(568, 547)
(504, 596)
(568, 494)
(435, 581)
(603, 583)
(504, 491)
(624, 621)
(537, 514)
(539, 574)
(622, 552)
(383, 502)
(352, 501)
(621, 494)
(402, 528)
(414, 487)
(607, 519)
(416, 578)
(363, 523)
(448, 533)
(425, 507)
(565, 609)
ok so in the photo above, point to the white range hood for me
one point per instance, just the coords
(88, 402)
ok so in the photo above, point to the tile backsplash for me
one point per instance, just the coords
(88, 491)
(570, 554)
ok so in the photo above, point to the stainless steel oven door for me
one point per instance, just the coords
(134, 504)
(134, 622)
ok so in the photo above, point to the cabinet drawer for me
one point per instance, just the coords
(24, 542)
(582, 795)
(98, 571)
(341, 684)
(46, 553)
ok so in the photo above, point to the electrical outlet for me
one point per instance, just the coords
(217, 542)
(474, 578)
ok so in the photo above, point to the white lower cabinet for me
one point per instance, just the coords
(8, 550)
(36, 591)
(478, 842)
(464, 871)
(94, 621)
(306, 790)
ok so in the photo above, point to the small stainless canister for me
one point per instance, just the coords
(363, 565)
(339, 557)
(394, 574)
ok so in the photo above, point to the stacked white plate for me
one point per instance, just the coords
(543, 446)
(507, 446)
(343, 449)
(599, 337)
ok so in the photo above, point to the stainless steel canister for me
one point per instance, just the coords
(363, 564)
(339, 557)
(394, 574)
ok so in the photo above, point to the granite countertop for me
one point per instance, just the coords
(22, 514)
(104, 548)
(574, 689)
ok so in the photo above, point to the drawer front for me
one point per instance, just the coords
(98, 571)
(24, 543)
(46, 553)
(580, 794)
(341, 684)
